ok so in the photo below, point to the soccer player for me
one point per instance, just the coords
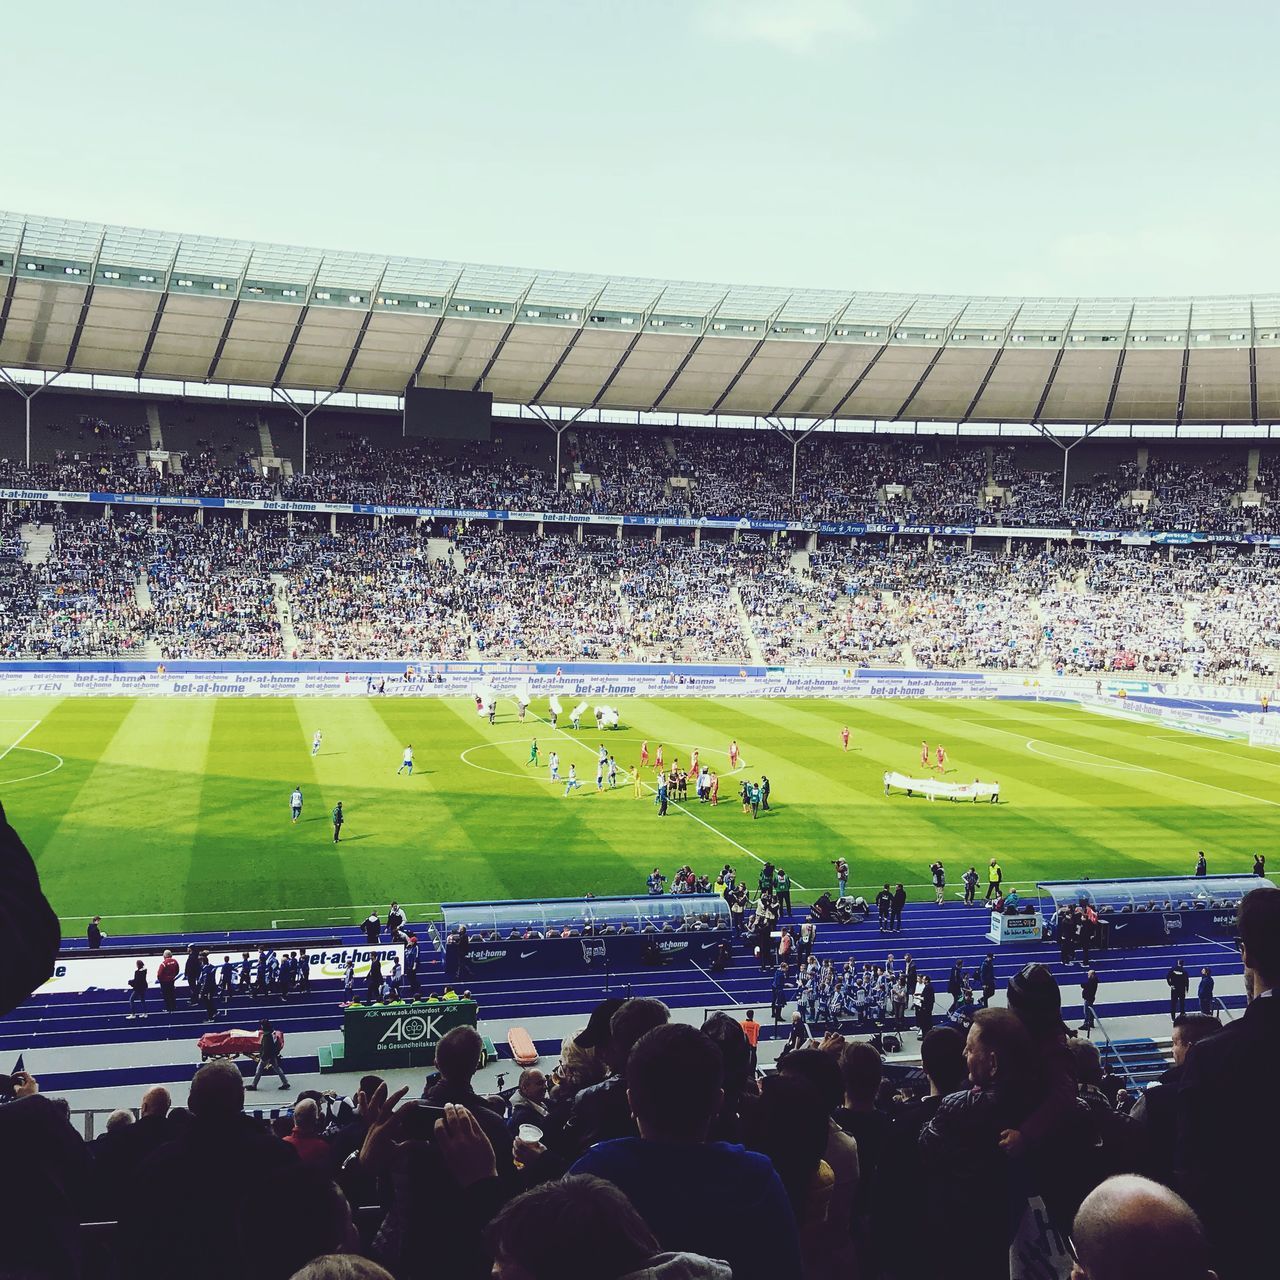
(941, 757)
(572, 780)
(553, 763)
(295, 804)
(924, 754)
(407, 762)
(533, 753)
(637, 782)
(657, 759)
(844, 737)
(600, 773)
(644, 753)
(733, 754)
(315, 743)
(714, 789)
(693, 762)
(338, 820)
(613, 774)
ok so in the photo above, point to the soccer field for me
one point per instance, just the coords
(174, 813)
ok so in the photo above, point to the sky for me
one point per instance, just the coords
(914, 145)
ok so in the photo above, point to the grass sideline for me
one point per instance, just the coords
(173, 814)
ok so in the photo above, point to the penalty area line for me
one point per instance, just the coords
(32, 727)
(652, 790)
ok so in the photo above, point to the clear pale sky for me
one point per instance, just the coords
(945, 147)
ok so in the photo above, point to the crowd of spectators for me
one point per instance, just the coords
(174, 586)
(682, 473)
(653, 1141)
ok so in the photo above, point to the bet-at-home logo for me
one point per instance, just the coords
(410, 1029)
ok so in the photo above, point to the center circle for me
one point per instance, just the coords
(31, 777)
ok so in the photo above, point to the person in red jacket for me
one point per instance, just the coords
(166, 978)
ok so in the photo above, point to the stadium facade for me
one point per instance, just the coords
(116, 302)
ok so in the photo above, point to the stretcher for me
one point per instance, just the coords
(235, 1043)
(523, 1050)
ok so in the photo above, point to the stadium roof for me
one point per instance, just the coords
(90, 298)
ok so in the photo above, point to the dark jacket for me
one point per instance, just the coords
(1179, 980)
(192, 1186)
(1228, 1136)
(46, 1182)
(29, 931)
(1089, 990)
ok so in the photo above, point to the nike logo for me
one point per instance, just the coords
(709, 946)
(524, 955)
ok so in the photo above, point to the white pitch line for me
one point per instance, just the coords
(35, 724)
(1114, 763)
(679, 809)
(732, 1000)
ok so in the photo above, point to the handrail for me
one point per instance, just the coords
(1220, 1005)
(1131, 1081)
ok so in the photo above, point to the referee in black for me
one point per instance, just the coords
(337, 821)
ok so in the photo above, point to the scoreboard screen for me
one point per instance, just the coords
(431, 413)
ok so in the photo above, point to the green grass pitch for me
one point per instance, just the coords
(173, 813)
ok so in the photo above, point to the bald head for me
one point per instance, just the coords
(306, 1116)
(1130, 1228)
(217, 1090)
(156, 1101)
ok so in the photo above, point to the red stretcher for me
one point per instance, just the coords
(233, 1044)
(523, 1050)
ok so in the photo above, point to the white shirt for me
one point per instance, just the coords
(296, 800)
(408, 755)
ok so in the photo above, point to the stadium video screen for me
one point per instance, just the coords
(435, 414)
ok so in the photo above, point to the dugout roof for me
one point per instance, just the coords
(90, 298)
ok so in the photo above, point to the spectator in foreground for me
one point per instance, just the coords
(584, 1228)
(529, 1106)
(305, 1139)
(821, 1070)
(29, 931)
(789, 1125)
(47, 1173)
(194, 1186)
(1156, 1110)
(342, 1266)
(602, 1111)
(459, 1055)
(1228, 1127)
(1129, 1228)
(118, 1153)
(695, 1194)
(960, 1146)
(293, 1215)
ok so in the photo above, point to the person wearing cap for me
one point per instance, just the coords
(601, 1111)
(1034, 997)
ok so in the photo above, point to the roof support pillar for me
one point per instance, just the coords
(795, 441)
(27, 396)
(559, 428)
(302, 413)
(1066, 447)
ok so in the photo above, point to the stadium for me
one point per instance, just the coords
(830, 730)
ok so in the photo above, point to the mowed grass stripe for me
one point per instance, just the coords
(128, 836)
(180, 808)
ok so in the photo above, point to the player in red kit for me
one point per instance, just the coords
(942, 758)
(657, 759)
(644, 752)
(844, 737)
(733, 754)
(924, 754)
